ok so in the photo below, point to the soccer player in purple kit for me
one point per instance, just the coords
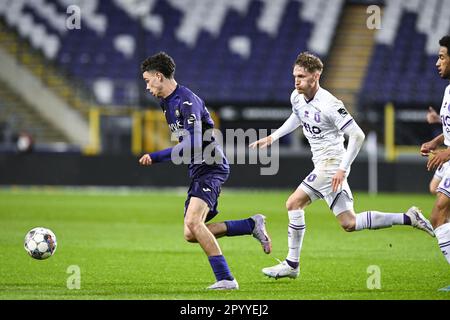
(189, 119)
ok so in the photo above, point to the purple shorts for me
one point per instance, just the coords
(207, 188)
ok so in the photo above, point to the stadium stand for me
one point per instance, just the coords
(237, 51)
(402, 69)
(17, 115)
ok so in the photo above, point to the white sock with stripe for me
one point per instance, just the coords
(377, 220)
(443, 235)
(296, 232)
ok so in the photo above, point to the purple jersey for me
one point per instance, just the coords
(184, 110)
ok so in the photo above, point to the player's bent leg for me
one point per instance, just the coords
(378, 220)
(218, 229)
(188, 235)
(347, 220)
(194, 221)
(255, 225)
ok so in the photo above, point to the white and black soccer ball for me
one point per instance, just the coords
(40, 243)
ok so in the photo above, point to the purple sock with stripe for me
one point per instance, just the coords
(220, 268)
(240, 227)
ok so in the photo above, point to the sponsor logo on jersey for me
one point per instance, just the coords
(312, 129)
(175, 126)
(342, 112)
(188, 103)
(192, 118)
(206, 189)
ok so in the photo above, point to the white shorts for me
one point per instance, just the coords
(439, 174)
(444, 185)
(317, 185)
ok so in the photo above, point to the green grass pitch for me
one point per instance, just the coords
(129, 245)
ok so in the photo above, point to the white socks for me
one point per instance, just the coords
(377, 220)
(443, 236)
(296, 232)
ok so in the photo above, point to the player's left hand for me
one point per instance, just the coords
(145, 160)
(437, 159)
(337, 180)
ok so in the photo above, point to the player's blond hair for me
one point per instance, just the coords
(309, 61)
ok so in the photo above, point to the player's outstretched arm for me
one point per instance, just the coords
(355, 141)
(292, 123)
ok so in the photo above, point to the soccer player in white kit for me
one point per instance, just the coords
(440, 215)
(325, 121)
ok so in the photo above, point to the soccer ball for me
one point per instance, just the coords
(40, 243)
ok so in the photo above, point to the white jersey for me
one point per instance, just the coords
(445, 116)
(323, 119)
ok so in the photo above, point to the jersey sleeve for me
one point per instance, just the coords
(292, 123)
(161, 156)
(355, 141)
(340, 116)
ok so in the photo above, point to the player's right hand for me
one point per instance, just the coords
(145, 160)
(262, 143)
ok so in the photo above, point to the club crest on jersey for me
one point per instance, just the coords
(317, 117)
(177, 113)
(342, 112)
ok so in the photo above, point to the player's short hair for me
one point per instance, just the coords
(445, 42)
(309, 61)
(160, 62)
